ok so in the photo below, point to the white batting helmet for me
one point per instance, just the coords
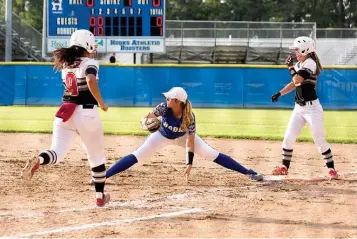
(85, 39)
(303, 45)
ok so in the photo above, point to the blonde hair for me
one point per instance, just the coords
(186, 115)
(319, 68)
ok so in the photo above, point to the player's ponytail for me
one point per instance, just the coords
(186, 115)
(319, 68)
(66, 56)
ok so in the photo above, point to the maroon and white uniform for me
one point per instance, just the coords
(85, 120)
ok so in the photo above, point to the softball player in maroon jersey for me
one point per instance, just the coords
(78, 115)
(307, 106)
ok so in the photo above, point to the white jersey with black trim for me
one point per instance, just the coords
(306, 91)
(75, 83)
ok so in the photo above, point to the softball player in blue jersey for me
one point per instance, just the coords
(178, 127)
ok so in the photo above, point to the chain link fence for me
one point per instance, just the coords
(230, 42)
(216, 29)
(249, 42)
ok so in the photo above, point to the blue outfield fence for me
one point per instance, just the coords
(217, 86)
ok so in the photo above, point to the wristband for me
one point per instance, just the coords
(189, 158)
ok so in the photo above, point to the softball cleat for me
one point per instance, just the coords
(254, 176)
(29, 170)
(282, 170)
(333, 174)
(102, 201)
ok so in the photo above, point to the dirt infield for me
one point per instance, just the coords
(153, 200)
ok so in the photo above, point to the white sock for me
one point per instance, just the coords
(99, 195)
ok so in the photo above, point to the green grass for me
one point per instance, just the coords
(340, 126)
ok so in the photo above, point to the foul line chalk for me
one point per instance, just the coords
(110, 223)
(134, 203)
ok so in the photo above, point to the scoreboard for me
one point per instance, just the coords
(136, 26)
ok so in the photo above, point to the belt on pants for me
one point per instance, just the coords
(87, 106)
(305, 103)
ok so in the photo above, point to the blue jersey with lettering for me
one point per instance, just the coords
(170, 126)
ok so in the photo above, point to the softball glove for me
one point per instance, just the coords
(150, 124)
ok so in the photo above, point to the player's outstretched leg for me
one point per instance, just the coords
(229, 163)
(62, 140)
(33, 164)
(150, 145)
(206, 151)
(122, 165)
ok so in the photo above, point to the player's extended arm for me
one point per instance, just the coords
(94, 89)
(190, 143)
(190, 149)
(288, 88)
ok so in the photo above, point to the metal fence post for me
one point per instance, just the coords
(314, 31)
(8, 24)
(182, 32)
(44, 27)
(215, 33)
(248, 35)
(281, 35)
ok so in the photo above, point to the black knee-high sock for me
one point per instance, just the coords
(287, 155)
(48, 156)
(328, 157)
(98, 177)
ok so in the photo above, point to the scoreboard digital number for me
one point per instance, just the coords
(119, 25)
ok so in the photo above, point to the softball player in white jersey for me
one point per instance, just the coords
(78, 114)
(178, 127)
(307, 106)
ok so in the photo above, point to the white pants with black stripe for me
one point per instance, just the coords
(312, 114)
(87, 124)
(156, 141)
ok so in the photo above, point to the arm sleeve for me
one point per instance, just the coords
(304, 73)
(160, 109)
(308, 69)
(92, 68)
